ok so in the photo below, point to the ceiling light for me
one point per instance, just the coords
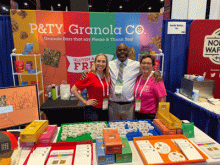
(120, 7)
(161, 0)
(149, 8)
(90, 6)
(3, 7)
(25, 3)
(59, 4)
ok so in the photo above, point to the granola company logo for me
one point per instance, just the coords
(76, 29)
(212, 47)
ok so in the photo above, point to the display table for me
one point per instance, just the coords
(63, 111)
(204, 119)
(135, 156)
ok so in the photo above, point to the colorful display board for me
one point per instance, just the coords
(204, 51)
(69, 41)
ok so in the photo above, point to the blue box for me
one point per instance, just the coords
(102, 157)
(131, 135)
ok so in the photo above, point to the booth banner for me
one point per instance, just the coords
(204, 51)
(69, 41)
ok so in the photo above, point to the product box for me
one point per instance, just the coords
(33, 131)
(7, 161)
(179, 131)
(102, 157)
(163, 129)
(169, 120)
(112, 141)
(48, 135)
(126, 155)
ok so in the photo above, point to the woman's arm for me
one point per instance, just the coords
(90, 102)
(74, 90)
(162, 99)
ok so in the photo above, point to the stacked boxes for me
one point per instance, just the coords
(33, 131)
(126, 155)
(112, 141)
(163, 129)
(102, 157)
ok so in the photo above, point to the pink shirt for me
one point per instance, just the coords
(150, 95)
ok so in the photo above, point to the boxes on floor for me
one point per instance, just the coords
(102, 157)
(163, 129)
(33, 131)
(126, 155)
(48, 135)
(112, 141)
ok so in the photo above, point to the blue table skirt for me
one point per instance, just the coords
(205, 120)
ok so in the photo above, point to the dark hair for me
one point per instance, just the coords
(148, 56)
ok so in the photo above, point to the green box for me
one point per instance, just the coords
(188, 130)
(126, 155)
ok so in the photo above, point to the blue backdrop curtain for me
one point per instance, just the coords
(6, 46)
(175, 48)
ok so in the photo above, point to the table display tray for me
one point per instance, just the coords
(162, 150)
(81, 131)
(76, 147)
(135, 128)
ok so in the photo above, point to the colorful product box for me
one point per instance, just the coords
(179, 131)
(112, 141)
(102, 157)
(126, 155)
(33, 131)
(163, 129)
(49, 134)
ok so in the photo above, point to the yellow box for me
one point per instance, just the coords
(33, 131)
(170, 121)
(164, 108)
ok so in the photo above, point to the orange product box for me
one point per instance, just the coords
(112, 141)
(163, 129)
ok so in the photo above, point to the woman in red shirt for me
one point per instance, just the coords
(97, 84)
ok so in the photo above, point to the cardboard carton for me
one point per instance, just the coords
(112, 141)
(102, 157)
(163, 129)
(126, 155)
(33, 131)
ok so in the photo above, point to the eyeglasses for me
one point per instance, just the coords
(146, 63)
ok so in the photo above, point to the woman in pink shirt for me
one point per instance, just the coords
(147, 92)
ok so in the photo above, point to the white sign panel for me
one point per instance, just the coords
(211, 47)
(176, 28)
(80, 64)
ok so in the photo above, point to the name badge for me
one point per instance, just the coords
(137, 105)
(118, 88)
(105, 104)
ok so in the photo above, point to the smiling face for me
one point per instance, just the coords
(146, 66)
(122, 52)
(100, 63)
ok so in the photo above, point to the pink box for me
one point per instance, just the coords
(49, 134)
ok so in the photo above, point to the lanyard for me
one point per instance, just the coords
(103, 86)
(143, 86)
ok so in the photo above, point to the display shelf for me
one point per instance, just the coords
(25, 55)
(27, 73)
(36, 58)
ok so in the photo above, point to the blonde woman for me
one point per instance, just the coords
(97, 84)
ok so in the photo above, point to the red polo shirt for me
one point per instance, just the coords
(94, 88)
